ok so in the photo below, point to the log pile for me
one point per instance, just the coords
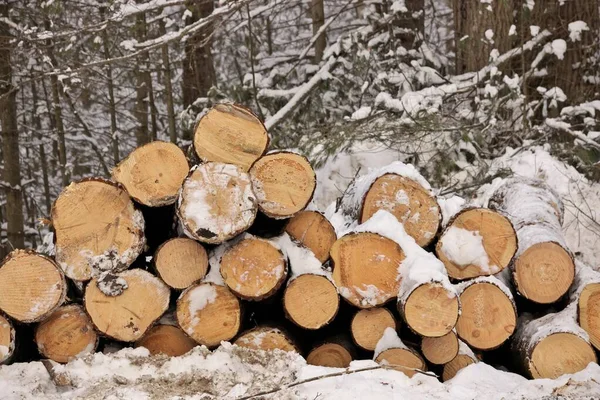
(168, 256)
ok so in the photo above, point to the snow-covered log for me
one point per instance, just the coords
(488, 313)
(399, 189)
(231, 134)
(209, 313)
(314, 231)
(476, 242)
(543, 268)
(284, 183)
(586, 293)
(166, 339)
(216, 203)
(267, 338)
(440, 350)
(97, 229)
(7, 340)
(66, 334)
(334, 352)
(124, 306)
(32, 286)
(153, 173)
(368, 326)
(464, 358)
(180, 262)
(552, 345)
(390, 350)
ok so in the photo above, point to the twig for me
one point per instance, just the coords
(251, 50)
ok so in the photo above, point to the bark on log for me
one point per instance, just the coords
(254, 269)
(7, 340)
(488, 313)
(440, 350)
(392, 351)
(266, 338)
(334, 352)
(209, 314)
(543, 269)
(368, 326)
(552, 345)
(66, 334)
(32, 286)
(216, 203)
(464, 358)
(181, 262)
(476, 242)
(401, 190)
(97, 229)
(167, 340)
(232, 134)
(586, 293)
(311, 301)
(284, 184)
(125, 305)
(153, 173)
(313, 230)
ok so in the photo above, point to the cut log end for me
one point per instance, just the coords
(488, 316)
(230, 134)
(180, 262)
(368, 326)
(284, 184)
(266, 338)
(7, 340)
(589, 312)
(128, 315)
(365, 268)
(431, 310)
(494, 235)
(440, 350)
(167, 340)
(216, 203)
(559, 354)
(153, 173)
(311, 301)
(66, 334)
(459, 362)
(314, 231)
(408, 201)
(253, 269)
(209, 314)
(97, 229)
(31, 286)
(332, 355)
(544, 272)
(403, 360)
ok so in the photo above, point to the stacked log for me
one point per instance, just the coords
(463, 359)
(390, 350)
(334, 352)
(586, 294)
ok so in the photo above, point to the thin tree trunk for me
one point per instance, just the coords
(168, 87)
(141, 87)
(317, 13)
(43, 161)
(114, 134)
(10, 140)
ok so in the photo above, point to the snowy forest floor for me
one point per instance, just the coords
(235, 373)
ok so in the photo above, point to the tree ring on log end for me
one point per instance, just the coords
(440, 350)
(368, 326)
(559, 354)
(266, 338)
(589, 312)
(180, 262)
(430, 310)
(403, 360)
(311, 301)
(314, 231)
(331, 355)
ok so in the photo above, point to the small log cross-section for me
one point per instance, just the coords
(586, 293)
(313, 230)
(334, 352)
(97, 229)
(368, 326)
(66, 334)
(477, 242)
(126, 305)
(552, 345)
(365, 268)
(7, 340)
(488, 313)
(253, 269)
(230, 134)
(311, 301)
(463, 359)
(167, 340)
(284, 184)
(180, 262)
(390, 350)
(543, 269)
(153, 173)
(216, 203)
(440, 350)
(266, 338)
(31, 286)
(209, 314)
